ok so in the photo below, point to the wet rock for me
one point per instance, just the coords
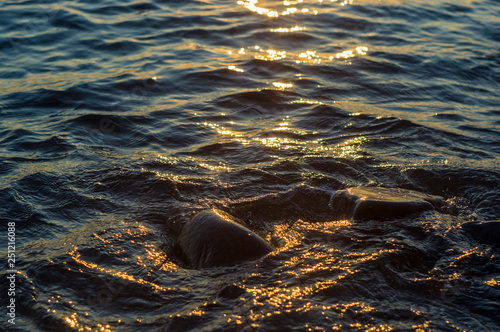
(376, 203)
(214, 238)
(485, 232)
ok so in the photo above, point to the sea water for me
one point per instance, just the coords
(119, 120)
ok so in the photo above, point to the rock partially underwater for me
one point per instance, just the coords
(214, 238)
(375, 203)
(485, 232)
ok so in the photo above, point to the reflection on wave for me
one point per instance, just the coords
(309, 56)
(290, 137)
(287, 7)
(285, 30)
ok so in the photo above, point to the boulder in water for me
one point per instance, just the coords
(214, 238)
(376, 203)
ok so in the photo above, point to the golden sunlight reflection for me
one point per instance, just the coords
(292, 235)
(73, 323)
(117, 245)
(268, 55)
(282, 86)
(307, 101)
(217, 168)
(301, 57)
(493, 283)
(234, 68)
(275, 9)
(284, 8)
(221, 130)
(301, 275)
(349, 148)
(252, 6)
(361, 50)
(285, 30)
(309, 55)
(76, 256)
(127, 245)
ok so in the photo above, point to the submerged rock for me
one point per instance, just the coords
(486, 232)
(363, 203)
(214, 238)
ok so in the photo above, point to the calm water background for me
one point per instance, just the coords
(121, 119)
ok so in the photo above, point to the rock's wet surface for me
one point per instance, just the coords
(214, 238)
(375, 203)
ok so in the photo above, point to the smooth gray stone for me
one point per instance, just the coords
(214, 238)
(486, 232)
(376, 203)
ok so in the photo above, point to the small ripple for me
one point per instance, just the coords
(52, 145)
(263, 98)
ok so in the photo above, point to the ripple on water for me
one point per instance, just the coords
(121, 120)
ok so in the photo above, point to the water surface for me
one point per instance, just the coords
(119, 120)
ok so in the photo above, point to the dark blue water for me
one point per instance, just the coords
(121, 119)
